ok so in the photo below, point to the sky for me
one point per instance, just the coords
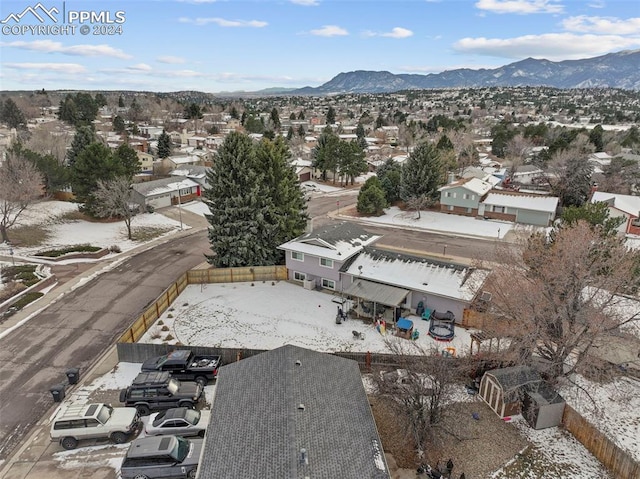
(248, 45)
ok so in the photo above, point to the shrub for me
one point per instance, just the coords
(164, 328)
(115, 249)
(168, 337)
(55, 253)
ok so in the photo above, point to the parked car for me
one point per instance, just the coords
(180, 421)
(162, 456)
(75, 422)
(155, 391)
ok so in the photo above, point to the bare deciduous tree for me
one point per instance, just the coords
(557, 298)
(517, 151)
(419, 390)
(20, 186)
(113, 199)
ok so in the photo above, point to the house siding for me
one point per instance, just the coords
(536, 218)
(458, 210)
(312, 269)
(459, 200)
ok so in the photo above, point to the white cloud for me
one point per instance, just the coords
(520, 7)
(170, 59)
(49, 46)
(221, 22)
(141, 67)
(306, 3)
(606, 25)
(329, 31)
(398, 32)
(552, 46)
(72, 68)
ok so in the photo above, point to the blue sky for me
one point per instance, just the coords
(213, 46)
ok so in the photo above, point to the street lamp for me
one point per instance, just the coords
(180, 209)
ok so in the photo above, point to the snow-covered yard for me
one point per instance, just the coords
(267, 316)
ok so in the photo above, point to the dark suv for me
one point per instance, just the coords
(162, 456)
(156, 391)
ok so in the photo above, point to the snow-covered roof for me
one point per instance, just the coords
(301, 162)
(179, 160)
(337, 242)
(523, 202)
(165, 185)
(626, 203)
(475, 185)
(438, 278)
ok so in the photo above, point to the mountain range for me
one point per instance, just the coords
(613, 70)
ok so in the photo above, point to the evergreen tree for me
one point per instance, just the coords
(422, 174)
(55, 176)
(331, 116)
(11, 115)
(360, 133)
(118, 124)
(288, 212)
(596, 137)
(100, 100)
(596, 214)
(240, 231)
(275, 119)
(78, 110)
(351, 160)
(444, 143)
(390, 176)
(82, 139)
(126, 162)
(253, 125)
(93, 163)
(301, 132)
(234, 113)
(301, 115)
(290, 133)
(120, 102)
(325, 153)
(371, 198)
(164, 145)
(574, 184)
(193, 112)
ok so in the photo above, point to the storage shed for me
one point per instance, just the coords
(501, 389)
(543, 408)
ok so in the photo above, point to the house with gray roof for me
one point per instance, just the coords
(165, 192)
(314, 259)
(292, 413)
(624, 206)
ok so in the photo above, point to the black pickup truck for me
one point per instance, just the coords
(185, 366)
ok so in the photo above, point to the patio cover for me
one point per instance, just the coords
(377, 292)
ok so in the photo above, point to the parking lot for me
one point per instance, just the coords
(40, 457)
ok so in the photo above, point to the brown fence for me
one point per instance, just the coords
(610, 455)
(236, 275)
(198, 276)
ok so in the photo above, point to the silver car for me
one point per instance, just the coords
(162, 456)
(180, 421)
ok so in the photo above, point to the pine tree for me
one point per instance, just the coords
(351, 160)
(95, 162)
(126, 162)
(164, 145)
(83, 138)
(289, 206)
(11, 114)
(240, 231)
(371, 198)
(331, 116)
(422, 174)
(390, 176)
(325, 153)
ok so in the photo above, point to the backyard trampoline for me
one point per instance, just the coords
(442, 326)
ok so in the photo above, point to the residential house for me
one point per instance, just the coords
(179, 161)
(530, 209)
(340, 258)
(303, 168)
(401, 281)
(463, 196)
(165, 192)
(292, 413)
(146, 161)
(315, 258)
(626, 206)
(526, 174)
(195, 173)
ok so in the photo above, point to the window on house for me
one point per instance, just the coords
(498, 209)
(447, 194)
(299, 276)
(455, 194)
(297, 256)
(473, 197)
(466, 196)
(450, 207)
(328, 283)
(327, 263)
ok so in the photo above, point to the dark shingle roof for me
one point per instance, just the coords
(258, 429)
(334, 233)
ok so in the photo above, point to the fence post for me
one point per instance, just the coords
(238, 356)
(368, 360)
(133, 339)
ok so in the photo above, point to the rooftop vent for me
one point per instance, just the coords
(301, 407)
(304, 459)
(298, 363)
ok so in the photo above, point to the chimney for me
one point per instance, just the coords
(452, 177)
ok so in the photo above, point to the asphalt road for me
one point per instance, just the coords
(78, 328)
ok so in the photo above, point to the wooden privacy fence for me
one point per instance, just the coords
(610, 455)
(198, 276)
(237, 275)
